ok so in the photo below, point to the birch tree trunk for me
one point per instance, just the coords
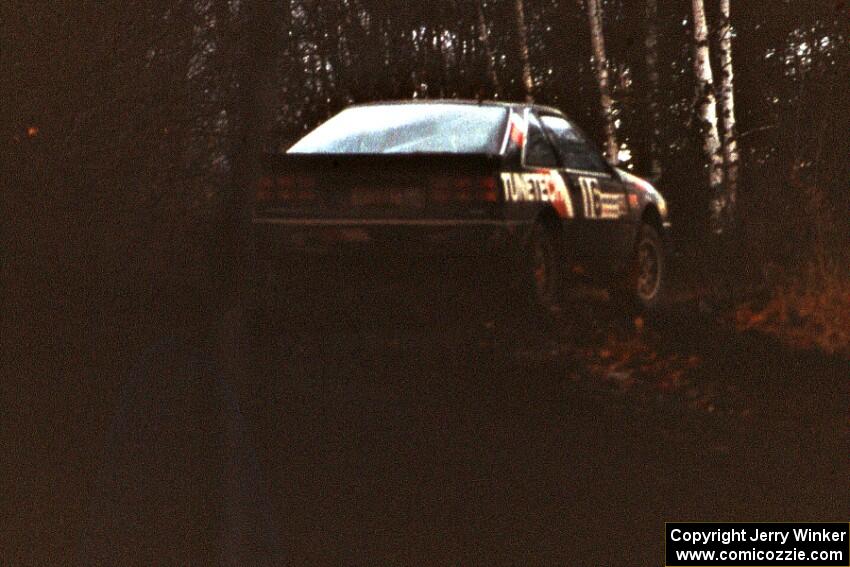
(727, 106)
(484, 37)
(651, 44)
(600, 59)
(522, 34)
(706, 104)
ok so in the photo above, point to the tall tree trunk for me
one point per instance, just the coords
(247, 534)
(484, 37)
(651, 44)
(706, 104)
(727, 106)
(522, 35)
(258, 41)
(600, 59)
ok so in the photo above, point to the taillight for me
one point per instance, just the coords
(265, 187)
(286, 189)
(489, 187)
(305, 183)
(465, 189)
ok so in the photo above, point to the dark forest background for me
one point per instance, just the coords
(126, 121)
(130, 128)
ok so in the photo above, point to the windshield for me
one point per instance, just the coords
(408, 128)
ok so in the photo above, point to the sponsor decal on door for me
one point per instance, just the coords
(597, 204)
(543, 186)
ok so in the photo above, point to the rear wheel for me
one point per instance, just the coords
(544, 268)
(533, 285)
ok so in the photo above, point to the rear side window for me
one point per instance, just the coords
(409, 129)
(538, 150)
(574, 150)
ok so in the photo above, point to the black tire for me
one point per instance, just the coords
(543, 270)
(533, 281)
(526, 314)
(641, 290)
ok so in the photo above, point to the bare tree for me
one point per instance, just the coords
(706, 104)
(484, 37)
(653, 93)
(522, 34)
(600, 59)
(727, 105)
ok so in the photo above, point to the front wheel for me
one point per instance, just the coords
(642, 288)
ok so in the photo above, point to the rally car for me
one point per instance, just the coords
(517, 187)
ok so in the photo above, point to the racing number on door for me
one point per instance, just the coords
(591, 197)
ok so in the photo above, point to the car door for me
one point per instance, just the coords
(603, 227)
(534, 161)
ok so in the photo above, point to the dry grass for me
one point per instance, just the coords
(812, 311)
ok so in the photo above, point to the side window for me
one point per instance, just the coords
(538, 150)
(574, 150)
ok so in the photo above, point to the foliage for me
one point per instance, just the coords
(124, 117)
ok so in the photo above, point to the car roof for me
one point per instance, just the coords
(498, 103)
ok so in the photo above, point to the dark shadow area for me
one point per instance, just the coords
(400, 418)
(402, 428)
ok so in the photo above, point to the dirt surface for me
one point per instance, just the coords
(410, 430)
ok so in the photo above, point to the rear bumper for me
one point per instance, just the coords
(404, 237)
(294, 257)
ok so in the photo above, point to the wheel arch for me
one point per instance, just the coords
(652, 216)
(548, 217)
